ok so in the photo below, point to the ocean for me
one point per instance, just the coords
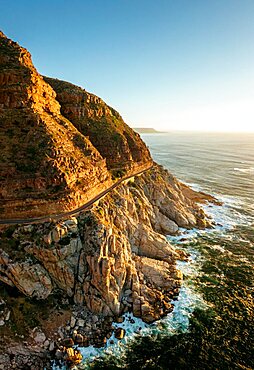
(212, 325)
(218, 163)
(222, 164)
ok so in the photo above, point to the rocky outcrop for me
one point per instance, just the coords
(47, 165)
(22, 357)
(59, 150)
(113, 257)
(30, 278)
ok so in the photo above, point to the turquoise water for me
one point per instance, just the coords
(212, 326)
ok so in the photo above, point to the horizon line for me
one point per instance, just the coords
(192, 130)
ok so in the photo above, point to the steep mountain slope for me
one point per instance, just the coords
(66, 279)
(47, 165)
(116, 141)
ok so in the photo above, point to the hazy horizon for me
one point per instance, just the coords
(185, 65)
(161, 131)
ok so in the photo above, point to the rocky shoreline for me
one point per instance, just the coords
(64, 282)
(73, 278)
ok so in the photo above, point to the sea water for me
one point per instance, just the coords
(212, 325)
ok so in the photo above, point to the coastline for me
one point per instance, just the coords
(191, 295)
(107, 325)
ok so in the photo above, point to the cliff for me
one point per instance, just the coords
(49, 164)
(115, 140)
(111, 259)
(70, 278)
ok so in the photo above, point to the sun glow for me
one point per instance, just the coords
(232, 117)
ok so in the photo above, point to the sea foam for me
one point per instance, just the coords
(226, 218)
(177, 320)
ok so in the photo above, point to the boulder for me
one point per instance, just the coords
(72, 225)
(30, 278)
(79, 339)
(119, 333)
(72, 322)
(51, 346)
(68, 342)
(39, 337)
(73, 357)
(80, 323)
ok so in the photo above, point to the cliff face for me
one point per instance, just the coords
(59, 147)
(116, 141)
(112, 257)
(77, 275)
(47, 165)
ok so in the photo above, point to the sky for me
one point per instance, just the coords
(166, 64)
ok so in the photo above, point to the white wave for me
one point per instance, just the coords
(220, 249)
(177, 320)
(245, 170)
(226, 218)
(194, 186)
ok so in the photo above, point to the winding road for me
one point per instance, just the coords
(75, 211)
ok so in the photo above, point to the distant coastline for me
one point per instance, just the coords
(145, 130)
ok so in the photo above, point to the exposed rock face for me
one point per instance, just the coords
(117, 142)
(31, 279)
(113, 257)
(108, 260)
(21, 357)
(47, 165)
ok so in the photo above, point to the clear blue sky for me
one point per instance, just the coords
(172, 64)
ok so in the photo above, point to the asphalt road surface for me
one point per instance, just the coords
(69, 213)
